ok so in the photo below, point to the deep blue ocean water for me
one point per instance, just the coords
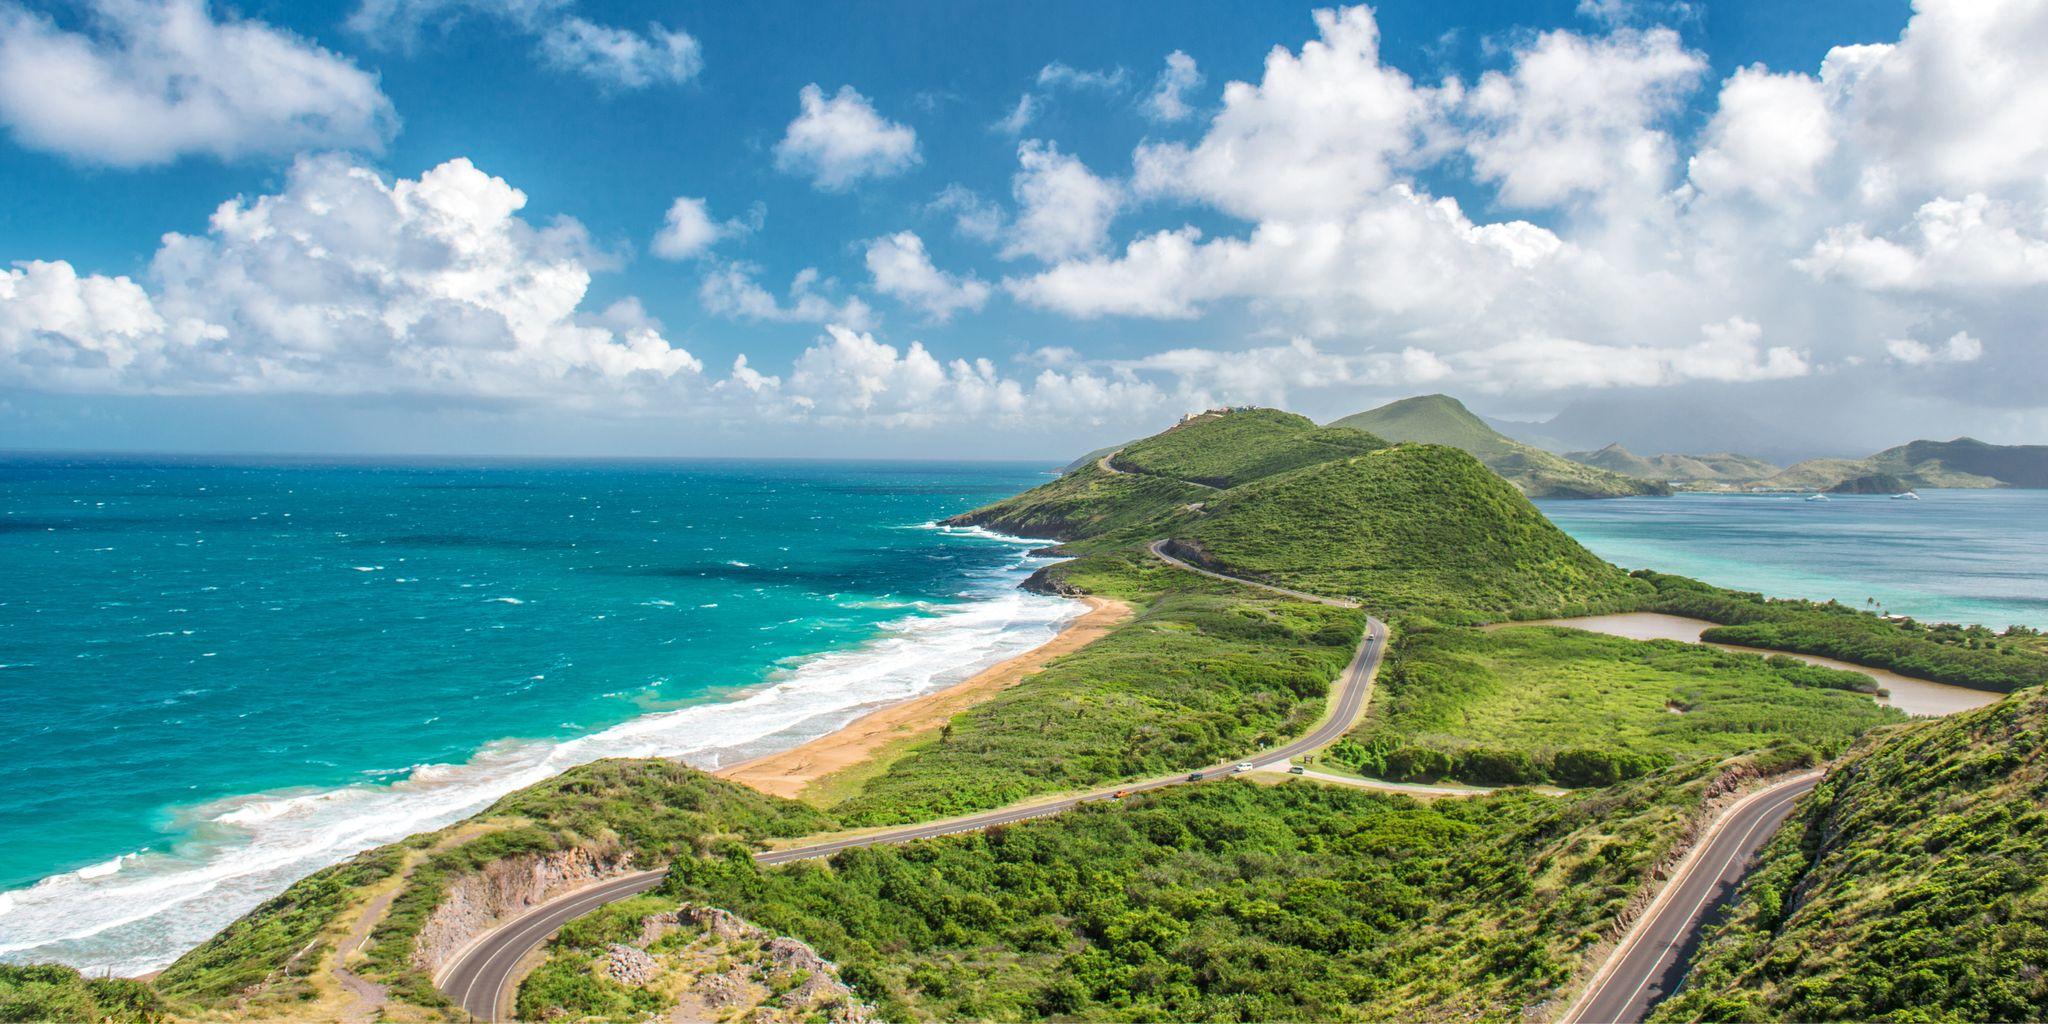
(1953, 556)
(218, 677)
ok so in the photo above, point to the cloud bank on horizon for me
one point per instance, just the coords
(1879, 220)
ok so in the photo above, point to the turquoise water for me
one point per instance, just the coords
(1954, 556)
(217, 678)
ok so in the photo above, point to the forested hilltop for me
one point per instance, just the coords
(1580, 767)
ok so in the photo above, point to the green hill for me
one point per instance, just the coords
(1964, 463)
(1715, 468)
(1408, 527)
(1441, 419)
(1224, 449)
(1156, 478)
(1909, 887)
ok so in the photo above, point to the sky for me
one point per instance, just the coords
(574, 227)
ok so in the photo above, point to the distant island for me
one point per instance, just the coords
(1961, 463)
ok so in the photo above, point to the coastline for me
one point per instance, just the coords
(788, 773)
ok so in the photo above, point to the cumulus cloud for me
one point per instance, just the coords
(1323, 130)
(1959, 348)
(973, 216)
(146, 83)
(342, 283)
(687, 230)
(1578, 116)
(1063, 209)
(1769, 136)
(1970, 244)
(1168, 101)
(1019, 117)
(903, 270)
(612, 57)
(729, 290)
(839, 140)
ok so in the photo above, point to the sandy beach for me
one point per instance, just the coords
(788, 772)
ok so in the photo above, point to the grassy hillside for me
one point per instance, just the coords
(653, 809)
(1536, 704)
(1420, 528)
(1224, 449)
(1207, 671)
(1715, 468)
(1089, 502)
(1970, 656)
(1232, 901)
(48, 992)
(1909, 887)
(1963, 462)
(1441, 419)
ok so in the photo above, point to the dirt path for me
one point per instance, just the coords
(788, 772)
(365, 997)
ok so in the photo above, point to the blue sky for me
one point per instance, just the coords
(1598, 154)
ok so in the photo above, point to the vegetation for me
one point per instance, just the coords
(1206, 672)
(1963, 462)
(1089, 502)
(1537, 704)
(1717, 468)
(1969, 656)
(1416, 528)
(1229, 901)
(1908, 887)
(50, 992)
(275, 946)
(1441, 419)
(1226, 449)
(569, 985)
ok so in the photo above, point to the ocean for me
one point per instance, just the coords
(1954, 556)
(219, 676)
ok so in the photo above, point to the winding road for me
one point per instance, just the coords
(484, 976)
(1652, 958)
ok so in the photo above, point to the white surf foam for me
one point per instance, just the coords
(139, 912)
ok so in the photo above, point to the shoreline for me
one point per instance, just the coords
(788, 773)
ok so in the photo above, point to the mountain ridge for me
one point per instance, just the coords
(1441, 419)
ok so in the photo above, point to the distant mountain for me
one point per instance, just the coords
(1664, 422)
(1963, 462)
(1718, 467)
(1441, 419)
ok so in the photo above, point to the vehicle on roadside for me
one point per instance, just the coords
(1297, 770)
(1121, 793)
(1197, 776)
(1242, 767)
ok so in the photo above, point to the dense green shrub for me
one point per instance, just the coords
(52, 992)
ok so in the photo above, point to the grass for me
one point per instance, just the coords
(51, 992)
(1971, 656)
(1421, 529)
(1224, 450)
(1229, 901)
(1908, 887)
(1539, 704)
(1204, 672)
(1441, 419)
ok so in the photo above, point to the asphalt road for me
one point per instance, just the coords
(481, 979)
(1652, 959)
(1158, 549)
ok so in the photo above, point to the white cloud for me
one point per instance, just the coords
(729, 290)
(902, 269)
(1019, 117)
(1063, 209)
(344, 283)
(1168, 101)
(1578, 116)
(688, 231)
(1058, 75)
(146, 83)
(1959, 348)
(1967, 244)
(614, 58)
(973, 216)
(1321, 132)
(621, 58)
(840, 140)
(1729, 352)
(1769, 136)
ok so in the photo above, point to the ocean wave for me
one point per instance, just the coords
(141, 914)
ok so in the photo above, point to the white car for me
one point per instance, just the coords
(1242, 767)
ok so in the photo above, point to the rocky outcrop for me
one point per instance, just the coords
(504, 889)
(1047, 581)
(629, 965)
(736, 965)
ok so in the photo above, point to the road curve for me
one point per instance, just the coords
(1158, 549)
(481, 978)
(1651, 959)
